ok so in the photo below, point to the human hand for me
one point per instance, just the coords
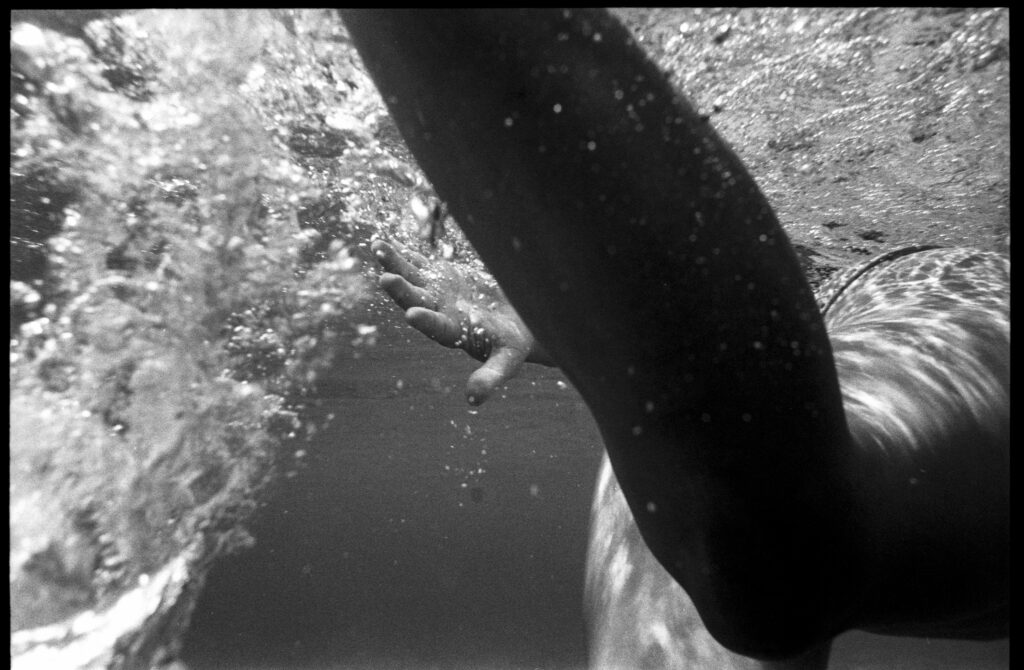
(460, 309)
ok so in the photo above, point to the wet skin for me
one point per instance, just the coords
(641, 255)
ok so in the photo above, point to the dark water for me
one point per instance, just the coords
(391, 549)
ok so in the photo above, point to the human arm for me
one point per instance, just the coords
(642, 256)
(639, 251)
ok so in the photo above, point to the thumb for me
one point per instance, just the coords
(499, 368)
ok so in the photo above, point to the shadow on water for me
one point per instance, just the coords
(423, 534)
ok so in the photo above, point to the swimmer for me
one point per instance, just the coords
(798, 475)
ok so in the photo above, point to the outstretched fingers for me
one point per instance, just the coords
(503, 364)
(441, 317)
(435, 325)
(406, 264)
(406, 294)
(414, 257)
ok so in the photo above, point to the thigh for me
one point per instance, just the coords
(922, 347)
